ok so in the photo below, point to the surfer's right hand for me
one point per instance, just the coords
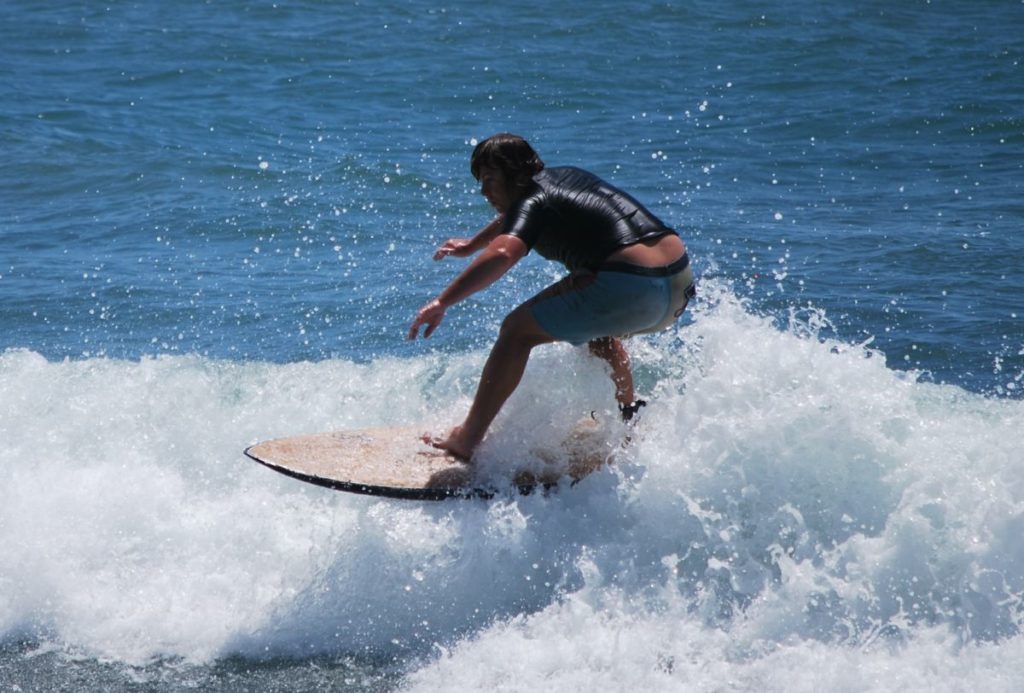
(430, 315)
(459, 247)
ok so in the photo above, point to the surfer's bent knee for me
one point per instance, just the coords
(521, 324)
(602, 347)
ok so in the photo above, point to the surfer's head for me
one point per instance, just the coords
(510, 154)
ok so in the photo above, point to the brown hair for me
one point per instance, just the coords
(511, 154)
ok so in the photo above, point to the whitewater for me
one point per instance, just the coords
(791, 514)
(216, 226)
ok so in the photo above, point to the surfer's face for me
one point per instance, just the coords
(494, 187)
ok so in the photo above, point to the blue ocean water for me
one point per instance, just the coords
(217, 222)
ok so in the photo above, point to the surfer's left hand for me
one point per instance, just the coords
(430, 315)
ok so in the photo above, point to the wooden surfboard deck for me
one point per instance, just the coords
(395, 462)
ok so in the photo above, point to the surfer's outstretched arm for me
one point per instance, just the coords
(464, 247)
(497, 259)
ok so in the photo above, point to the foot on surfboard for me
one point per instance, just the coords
(449, 444)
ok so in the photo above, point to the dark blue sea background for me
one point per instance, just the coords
(216, 225)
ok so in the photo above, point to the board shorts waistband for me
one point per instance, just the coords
(663, 271)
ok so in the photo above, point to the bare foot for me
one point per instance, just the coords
(453, 444)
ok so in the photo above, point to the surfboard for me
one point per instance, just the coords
(395, 462)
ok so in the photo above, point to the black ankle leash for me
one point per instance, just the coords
(630, 410)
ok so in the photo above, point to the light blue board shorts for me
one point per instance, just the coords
(618, 300)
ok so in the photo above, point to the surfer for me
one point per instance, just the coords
(628, 274)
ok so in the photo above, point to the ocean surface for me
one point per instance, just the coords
(216, 225)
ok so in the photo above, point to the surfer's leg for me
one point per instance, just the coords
(519, 334)
(611, 350)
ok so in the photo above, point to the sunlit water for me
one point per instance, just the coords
(217, 224)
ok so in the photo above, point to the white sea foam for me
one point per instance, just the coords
(790, 511)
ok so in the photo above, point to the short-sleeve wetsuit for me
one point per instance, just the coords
(573, 217)
(576, 218)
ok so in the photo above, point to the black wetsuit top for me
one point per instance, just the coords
(574, 217)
